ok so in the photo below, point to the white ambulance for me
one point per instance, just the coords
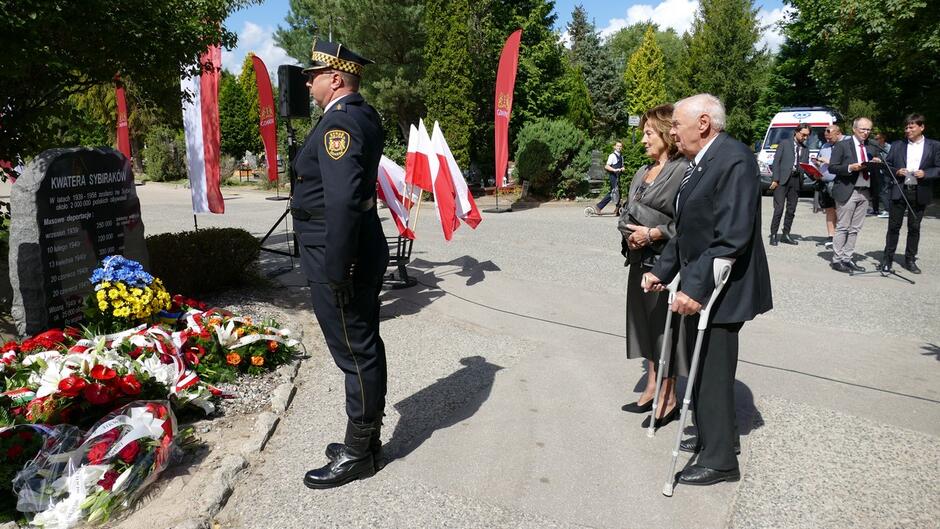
(781, 129)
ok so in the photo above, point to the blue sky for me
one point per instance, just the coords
(255, 25)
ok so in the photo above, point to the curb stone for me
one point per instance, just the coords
(233, 465)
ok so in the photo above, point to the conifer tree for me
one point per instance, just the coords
(644, 77)
(723, 60)
(237, 130)
(600, 73)
(249, 86)
(579, 110)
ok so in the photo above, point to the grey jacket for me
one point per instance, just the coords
(657, 207)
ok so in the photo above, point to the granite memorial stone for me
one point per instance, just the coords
(70, 209)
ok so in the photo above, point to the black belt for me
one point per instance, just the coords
(319, 213)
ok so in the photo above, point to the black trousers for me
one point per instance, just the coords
(713, 393)
(896, 218)
(613, 194)
(788, 193)
(352, 334)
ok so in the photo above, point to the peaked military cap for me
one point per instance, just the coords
(335, 56)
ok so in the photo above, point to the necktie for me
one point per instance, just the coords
(685, 180)
(862, 158)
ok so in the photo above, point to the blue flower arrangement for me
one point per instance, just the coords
(116, 268)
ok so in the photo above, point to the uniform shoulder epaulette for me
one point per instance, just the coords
(339, 107)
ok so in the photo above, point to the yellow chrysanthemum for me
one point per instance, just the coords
(102, 305)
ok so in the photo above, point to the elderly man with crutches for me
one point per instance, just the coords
(717, 244)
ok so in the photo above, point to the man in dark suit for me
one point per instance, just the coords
(786, 181)
(343, 251)
(915, 162)
(852, 163)
(718, 215)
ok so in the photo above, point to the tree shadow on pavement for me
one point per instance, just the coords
(444, 403)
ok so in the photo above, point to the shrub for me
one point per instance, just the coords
(193, 263)
(553, 156)
(164, 154)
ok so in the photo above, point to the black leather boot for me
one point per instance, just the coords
(333, 450)
(773, 239)
(354, 460)
(786, 239)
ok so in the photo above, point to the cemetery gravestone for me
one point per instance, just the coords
(70, 209)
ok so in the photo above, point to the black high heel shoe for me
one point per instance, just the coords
(664, 420)
(636, 407)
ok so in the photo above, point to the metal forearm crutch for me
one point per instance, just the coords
(722, 269)
(665, 353)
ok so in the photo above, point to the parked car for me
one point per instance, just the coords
(781, 129)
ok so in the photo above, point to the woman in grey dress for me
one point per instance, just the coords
(647, 223)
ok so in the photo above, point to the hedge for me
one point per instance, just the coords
(194, 263)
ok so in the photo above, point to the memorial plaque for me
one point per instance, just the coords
(70, 209)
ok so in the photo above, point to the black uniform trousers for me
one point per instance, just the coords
(788, 193)
(713, 393)
(896, 218)
(352, 334)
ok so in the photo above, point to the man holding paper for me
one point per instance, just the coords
(786, 180)
(851, 162)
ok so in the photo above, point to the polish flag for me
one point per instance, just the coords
(411, 191)
(391, 178)
(420, 165)
(466, 207)
(203, 140)
(445, 196)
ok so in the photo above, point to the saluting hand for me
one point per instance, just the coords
(685, 305)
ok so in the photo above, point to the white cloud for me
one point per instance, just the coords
(565, 39)
(772, 37)
(675, 14)
(260, 40)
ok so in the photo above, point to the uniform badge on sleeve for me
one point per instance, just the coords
(336, 143)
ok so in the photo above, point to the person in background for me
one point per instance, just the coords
(851, 162)
(647, 223)
(786, 182)
(884, 179)
(916, 163)
(614, 167)
(824, 200)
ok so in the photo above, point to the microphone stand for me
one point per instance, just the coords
(892, 174)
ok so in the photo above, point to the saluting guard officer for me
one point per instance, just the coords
(344, 253)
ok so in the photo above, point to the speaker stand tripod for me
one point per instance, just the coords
(290, 252)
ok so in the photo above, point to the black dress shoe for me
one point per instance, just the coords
(636, 407)
(786, 239)
(912, 266)
(773, 240)
(839, 266)
(692, 446)
(664, 420)
(698, 475)
(854, 267)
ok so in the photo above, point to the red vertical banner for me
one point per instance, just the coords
(505, 83)
(268, 124)
(211, 62)
(123, 135)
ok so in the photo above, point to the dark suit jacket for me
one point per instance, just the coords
(336, 172)
(783, 161)
(844, 154)
(929, 163)
(719, 216)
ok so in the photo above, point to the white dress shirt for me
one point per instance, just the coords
(915, 151)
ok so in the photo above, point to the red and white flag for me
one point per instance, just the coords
(410, 190)
(420, 163)
(466, 207)
(123, 135)
(391, 179)
(445, 196)
(203, 139)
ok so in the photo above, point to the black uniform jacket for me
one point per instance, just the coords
(783, 162)
(929, 164)
(845, 153)
(719, 216)
(336, 173)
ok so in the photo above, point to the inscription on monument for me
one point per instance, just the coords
(71, 208)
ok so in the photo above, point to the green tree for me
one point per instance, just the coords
(603, 80)
(449, 81)
(239, 133)
(55, 48)
(580, 112)
(883, 52)
(724, 61)
(626, 41)
(645, 76)
(248, 83)
(389, 32)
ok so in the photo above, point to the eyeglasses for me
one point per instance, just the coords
(863, 130)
